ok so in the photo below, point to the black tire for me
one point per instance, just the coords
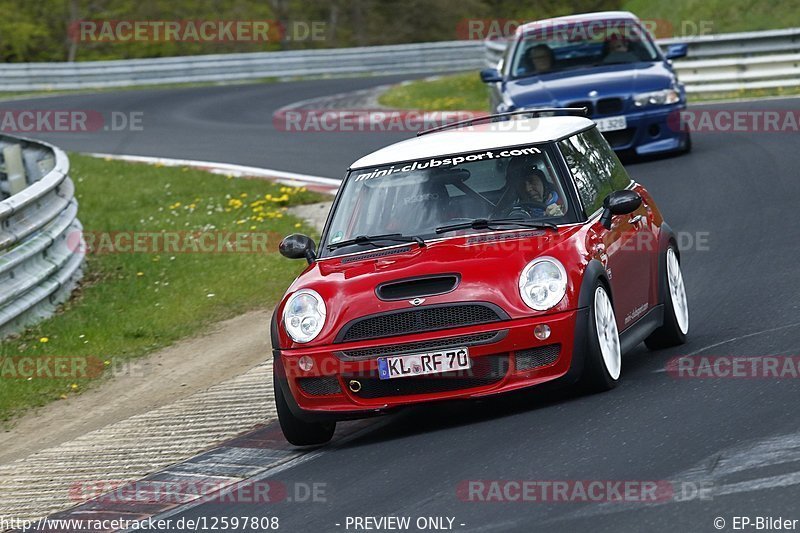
(596, 376)
(296, 431)
(687, 145)
(670, 333)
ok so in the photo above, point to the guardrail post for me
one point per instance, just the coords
(15, 169)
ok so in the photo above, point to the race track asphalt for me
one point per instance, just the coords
(734, 201)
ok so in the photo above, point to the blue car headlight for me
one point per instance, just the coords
(667, 96)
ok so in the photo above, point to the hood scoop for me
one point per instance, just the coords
(420, 287)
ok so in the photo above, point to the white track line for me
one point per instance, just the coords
(287, 178)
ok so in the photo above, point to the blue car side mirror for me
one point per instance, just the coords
(677, 51)
(490, 75)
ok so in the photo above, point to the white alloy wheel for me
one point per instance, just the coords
(607, 335)
(677, 291)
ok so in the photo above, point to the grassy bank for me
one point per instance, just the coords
(132, 303)
(689, 17)
(446, 93)
(466, 92)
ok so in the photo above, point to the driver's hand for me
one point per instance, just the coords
(554, 210)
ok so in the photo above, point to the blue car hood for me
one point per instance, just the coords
(560, 88)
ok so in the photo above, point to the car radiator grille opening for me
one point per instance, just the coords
(485, 370)
(319, 386)
(609, 106)
(536, 357)
(424, 319)
(424, 346)
(620, 137)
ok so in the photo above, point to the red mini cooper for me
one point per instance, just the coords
(471, 262)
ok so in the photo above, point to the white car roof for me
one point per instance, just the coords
(576, 19)
(487, 136)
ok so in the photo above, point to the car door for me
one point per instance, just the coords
(625, 248)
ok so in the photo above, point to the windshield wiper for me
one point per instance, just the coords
(372, 239)
(493, 223)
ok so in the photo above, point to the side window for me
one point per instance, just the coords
(595, 166)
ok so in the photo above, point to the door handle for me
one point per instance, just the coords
(636, 219)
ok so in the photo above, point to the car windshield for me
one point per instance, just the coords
(554, 48)
(415, 198)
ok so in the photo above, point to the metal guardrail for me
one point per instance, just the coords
(715, 63)
(395, 59)
(41, 247)
(724, 62)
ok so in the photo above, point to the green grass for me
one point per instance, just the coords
(468, 93)
(749, 93)
(130, 304)
(718, 16)
(448, 93)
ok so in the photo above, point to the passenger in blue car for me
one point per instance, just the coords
(618, 50)
(540, 59)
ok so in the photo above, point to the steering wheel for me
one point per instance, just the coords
(526, 210)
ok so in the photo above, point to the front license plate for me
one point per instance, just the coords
(611, 123)
(419, 364)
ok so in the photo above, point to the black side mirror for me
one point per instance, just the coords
(619, 203)
(298, 246)
(490, 75)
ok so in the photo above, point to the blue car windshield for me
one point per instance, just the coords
(553, 48)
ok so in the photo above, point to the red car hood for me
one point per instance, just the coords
(489, 265)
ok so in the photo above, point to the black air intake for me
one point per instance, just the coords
(536, 357)
(407, 289)
(319, 386)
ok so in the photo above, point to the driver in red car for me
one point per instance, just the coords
(534, 195)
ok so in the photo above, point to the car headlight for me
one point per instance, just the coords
(304, 315)
(543, 283)
(667, 96)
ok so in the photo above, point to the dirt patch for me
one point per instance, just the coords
(230, 348)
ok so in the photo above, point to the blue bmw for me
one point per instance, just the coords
(606, 62)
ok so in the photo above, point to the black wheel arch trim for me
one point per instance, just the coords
(666, 237)
(593, 272)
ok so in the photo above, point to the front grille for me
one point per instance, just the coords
(536, 357)
(322, 386)
(620, 137)
(429, 318)
(424, 346)
(609, 106)
(485, 370)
